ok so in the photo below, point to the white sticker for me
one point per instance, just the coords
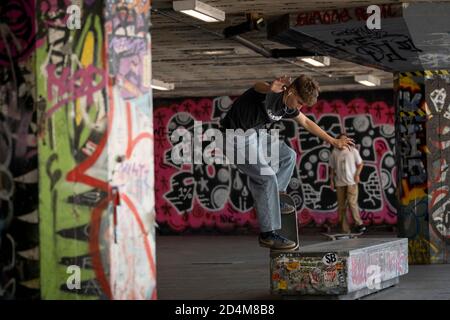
(330, 259)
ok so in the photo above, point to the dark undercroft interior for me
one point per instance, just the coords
(92, 205)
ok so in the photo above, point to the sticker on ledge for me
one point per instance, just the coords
(330, 259)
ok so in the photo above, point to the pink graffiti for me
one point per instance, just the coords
(359, 267)
(17, 31)
(234, 215)
(85, 82)
(381, 114)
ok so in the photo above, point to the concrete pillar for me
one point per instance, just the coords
(95, 150)
(423, 144)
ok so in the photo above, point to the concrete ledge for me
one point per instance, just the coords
(343, 269)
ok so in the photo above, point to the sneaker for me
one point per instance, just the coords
(361, 229)
(274, 241)
(286, 208)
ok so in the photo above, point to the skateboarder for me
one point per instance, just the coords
(345, 168)
(257, 107)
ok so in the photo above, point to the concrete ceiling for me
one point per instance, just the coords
(412, 37)
(178, 42)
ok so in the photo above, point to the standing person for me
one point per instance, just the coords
(345, 168)
(258, 106)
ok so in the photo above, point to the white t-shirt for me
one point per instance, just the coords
(344, 163)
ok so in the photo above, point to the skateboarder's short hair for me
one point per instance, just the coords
(307, 89)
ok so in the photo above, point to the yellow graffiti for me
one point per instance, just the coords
(87, 58)
(292, 265)
(423, 251)
(410, 195)
(419, 252)
(407, 82)
(282, 285)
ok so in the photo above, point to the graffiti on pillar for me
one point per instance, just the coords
(19, 229)
(95, 151)
(132, 266)
(17, 31)
(128, 47)
(195, 196)
(412, 155)
(438, 141)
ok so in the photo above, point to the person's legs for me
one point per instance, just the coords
(282, 162)
(342, 207)
(288, 159)
(353, 204)
(263, 186)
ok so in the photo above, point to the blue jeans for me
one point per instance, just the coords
(267, 177)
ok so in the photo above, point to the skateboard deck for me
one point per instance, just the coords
(289, 222)
(342, 236)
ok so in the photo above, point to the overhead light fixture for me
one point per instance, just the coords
(161, 85)
(317, 61)
(199, 10)
(368, 80)
(211, 52)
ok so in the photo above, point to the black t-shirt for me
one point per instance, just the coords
(254, 110)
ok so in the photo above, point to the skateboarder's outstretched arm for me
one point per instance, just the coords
(312, 127)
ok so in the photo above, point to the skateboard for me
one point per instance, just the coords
(342, 236)
(289, 222)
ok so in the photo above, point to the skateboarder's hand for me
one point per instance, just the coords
(280, 84)
(344, 142)
(357, 179)
(332, 186)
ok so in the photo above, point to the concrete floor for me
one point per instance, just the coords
(235, 267)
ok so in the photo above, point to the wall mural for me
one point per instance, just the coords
(200, 196)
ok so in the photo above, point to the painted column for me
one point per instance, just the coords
(96, 151)
(423, 126)
(437, 93)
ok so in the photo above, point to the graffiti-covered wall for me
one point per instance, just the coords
(423, 128)
(19, 231)
(95, 132)
(200, 196)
